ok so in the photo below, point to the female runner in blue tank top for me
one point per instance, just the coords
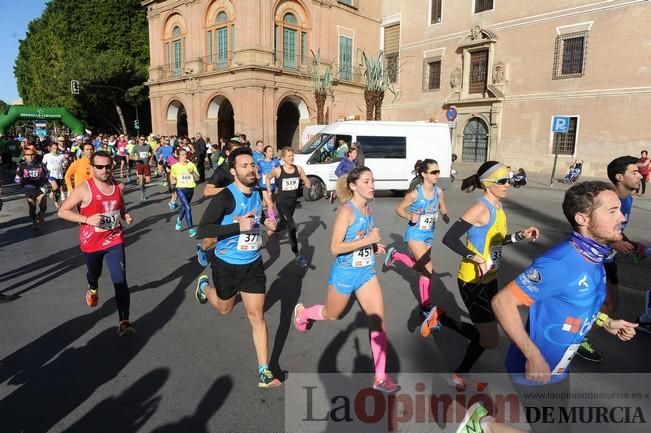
(421, 207)
(355, 242)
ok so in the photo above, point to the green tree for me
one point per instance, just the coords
(3, 106)
(104, 44)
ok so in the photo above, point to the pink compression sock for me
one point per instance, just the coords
(379, 349)
(423, 288)
(404, 259)
(312, 313)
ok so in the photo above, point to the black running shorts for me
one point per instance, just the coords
(230, 279)
(477, 298)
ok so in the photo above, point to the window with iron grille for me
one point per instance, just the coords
(431, 74)
(566, 143)
(435, 15)
(483, 5)
(569, 55)
(478, 71)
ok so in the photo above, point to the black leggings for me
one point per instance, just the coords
(286, 210)
(117, 267)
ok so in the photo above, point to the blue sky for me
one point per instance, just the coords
(15, 16)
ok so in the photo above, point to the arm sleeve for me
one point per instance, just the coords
(452, 238)
(210, 225)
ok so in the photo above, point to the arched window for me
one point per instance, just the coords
(220, 41)
(174, 52)
(290, 41)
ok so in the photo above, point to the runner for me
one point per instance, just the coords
(355, 242)
(287, 177)
(485, 225)
(184, 176)
(564, 290)
(235, 216)
(143, 153)
(123, 156)
(624, 173)
(259, 151)
(421, 208)
(222, 176)
(101, 206)
(32, 176)
(54, 163)
(80, 170)
(265, 166)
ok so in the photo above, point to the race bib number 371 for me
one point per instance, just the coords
(250, 241)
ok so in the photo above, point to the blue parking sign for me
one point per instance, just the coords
(560, 124)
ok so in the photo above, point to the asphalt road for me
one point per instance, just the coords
(189, 369)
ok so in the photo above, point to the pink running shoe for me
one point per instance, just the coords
(385, 385)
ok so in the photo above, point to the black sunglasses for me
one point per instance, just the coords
(437, 172)
(103, 167)
(502, 181)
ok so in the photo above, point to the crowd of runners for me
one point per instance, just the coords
(252, 193)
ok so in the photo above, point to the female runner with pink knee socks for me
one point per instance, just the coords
(421, 208)
(355, 242)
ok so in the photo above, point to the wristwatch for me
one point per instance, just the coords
(470, 256)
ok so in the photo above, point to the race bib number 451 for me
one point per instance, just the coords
(363, 257)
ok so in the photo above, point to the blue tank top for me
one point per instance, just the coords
(566, 292)
(358, 229)
(264, 168)
(241, 248)
(428, 211)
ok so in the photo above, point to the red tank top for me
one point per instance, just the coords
(109, 231)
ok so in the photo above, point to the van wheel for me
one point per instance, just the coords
(398, 192)
(315, 192)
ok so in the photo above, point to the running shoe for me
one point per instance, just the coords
(388, 260)
(431, 323)
(202, 256)
(425, 309)
(199, 293)
(471, 422)
(92, 296)
(461, 383)
(192, 232)
(588, 352)
(266, 379)
(171, 205)
(179, 225)
(125, 329)
(128, 179)
(385, 385)
(300, 325)
(301, 261)
(333, 196)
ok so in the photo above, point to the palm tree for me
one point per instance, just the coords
(377, 81)
(322, 85)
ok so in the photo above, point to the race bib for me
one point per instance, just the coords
(143, 155)
(495, 257)
(566, 359)
(363, 257)
(426, 221)
(250, 241)
(109, 221)
(290, 184)
(33, 173)
(185, 180)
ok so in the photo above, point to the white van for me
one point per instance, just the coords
(391, 150)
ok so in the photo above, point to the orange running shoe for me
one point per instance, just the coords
(92, 296)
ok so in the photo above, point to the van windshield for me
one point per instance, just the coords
(313, 143)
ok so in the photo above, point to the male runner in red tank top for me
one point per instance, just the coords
(101, 207)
